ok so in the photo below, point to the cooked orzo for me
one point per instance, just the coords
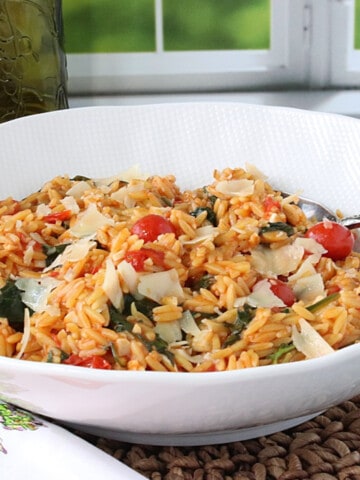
(141, 275)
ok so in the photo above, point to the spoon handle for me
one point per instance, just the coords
(350, 222)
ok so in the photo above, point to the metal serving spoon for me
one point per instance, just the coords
(319, 212)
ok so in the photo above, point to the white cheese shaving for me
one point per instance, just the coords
(111, 285)
(28, 254)
(311, 246)
(169, 331)
(309, 288)
(129, 275)
(131, 173)
(238, 188)
(306, 269)
(89, 222)
(263, 296)
(73, 253)
(26, 335)
(35, 292)
(308, 341)
(37, 238)
(202, 234)
(78, 190)
(277, 261)
(70, 204)
(255, 172)
(123, 194)
(188, 324)
(160, 284)
(42, 210)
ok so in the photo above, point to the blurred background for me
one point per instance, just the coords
(267, 51)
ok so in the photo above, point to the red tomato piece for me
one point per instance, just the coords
(336, 239)
(94, 361)
(138, 257)
(283, 291)
(271, 205)
(58, 216)
(148, 228)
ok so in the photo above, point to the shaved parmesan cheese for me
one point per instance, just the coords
(35, 292)
(78, 190)
(240, 302)
(37, 238)
(201, 234)
(309, 288)
(70, 204)
(133, 173)
(28, 254)
(239, 188)
(42, 210)
(73, 253)
(255, 172)
(111, 285)
(277, 261)
(262, 296)
(188, 324)
(309, 342)
(306, 270)
(169, 331)
(311, 246)
(123, 194)
(89, 222)
(129, 275)
(202, 342)
(161, 284)
(26, 335)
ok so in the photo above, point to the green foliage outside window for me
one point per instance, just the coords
(357, 25)
(101, 26)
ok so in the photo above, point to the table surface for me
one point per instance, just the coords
(324, 448)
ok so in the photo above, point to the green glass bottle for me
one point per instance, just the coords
(33, 75)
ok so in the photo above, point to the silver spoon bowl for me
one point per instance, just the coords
(319, 212)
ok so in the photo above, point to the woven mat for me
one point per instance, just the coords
(325, 448)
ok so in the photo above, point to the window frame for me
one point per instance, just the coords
(302, 54)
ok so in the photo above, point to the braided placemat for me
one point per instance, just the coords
(325, 448)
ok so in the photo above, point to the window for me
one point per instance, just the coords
(345, 67)
(138, 46)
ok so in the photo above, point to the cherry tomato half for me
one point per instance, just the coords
(148, 228)
(336, 239)
(94, 361)
(283, 291)
(61, 216)
(271, 205)
(138, 257)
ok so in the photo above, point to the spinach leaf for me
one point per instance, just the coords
(50, 357)
(146, 306)
(276, 226)
(159, 345)
(118, 321)
(212, 198)
(52, 252)
(79, 178)
(243, 319)
(11, 306)
(211, 215)
(283, 348)
(203, 282)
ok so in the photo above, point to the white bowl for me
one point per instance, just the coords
(317, 153)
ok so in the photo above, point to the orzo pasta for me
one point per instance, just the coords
(141, 275)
